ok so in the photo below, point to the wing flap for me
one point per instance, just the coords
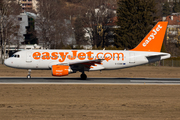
(87, 62)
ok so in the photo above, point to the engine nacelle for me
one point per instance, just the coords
(60, 70)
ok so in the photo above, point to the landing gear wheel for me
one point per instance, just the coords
(28, 76)
(83, 76)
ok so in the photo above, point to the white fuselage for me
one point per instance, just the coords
(111, 59)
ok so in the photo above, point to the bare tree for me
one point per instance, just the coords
(8, 23)
(96, 21)
(79, 32)
(50, 23)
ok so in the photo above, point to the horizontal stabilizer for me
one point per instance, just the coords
(160, 54)
(157, 57)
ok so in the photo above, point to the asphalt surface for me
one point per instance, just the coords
(89, 81)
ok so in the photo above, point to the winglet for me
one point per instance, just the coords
(154, 39)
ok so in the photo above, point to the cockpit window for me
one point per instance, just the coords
(12, 56)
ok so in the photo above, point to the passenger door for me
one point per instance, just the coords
(29, 57)
(131, 57)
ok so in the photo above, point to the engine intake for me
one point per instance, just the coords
(60, 70)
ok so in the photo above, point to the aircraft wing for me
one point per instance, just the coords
(90, 62)
(87, 64)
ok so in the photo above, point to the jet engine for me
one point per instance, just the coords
(60, 70)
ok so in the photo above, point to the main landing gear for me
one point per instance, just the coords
(29, 74)
(83, 76)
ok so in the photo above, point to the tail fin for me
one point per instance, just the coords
(153, 41)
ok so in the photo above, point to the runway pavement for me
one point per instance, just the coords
(90, 81)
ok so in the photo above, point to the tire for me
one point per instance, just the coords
(28, 76)
(83, 76)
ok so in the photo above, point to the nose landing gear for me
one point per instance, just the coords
(29, 74)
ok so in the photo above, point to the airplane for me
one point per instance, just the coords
(65, 62)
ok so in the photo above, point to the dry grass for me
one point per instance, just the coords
(89, 102)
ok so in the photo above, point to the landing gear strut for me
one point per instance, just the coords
(29, 73)
(83, 76)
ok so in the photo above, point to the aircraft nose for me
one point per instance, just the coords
(6, 62)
